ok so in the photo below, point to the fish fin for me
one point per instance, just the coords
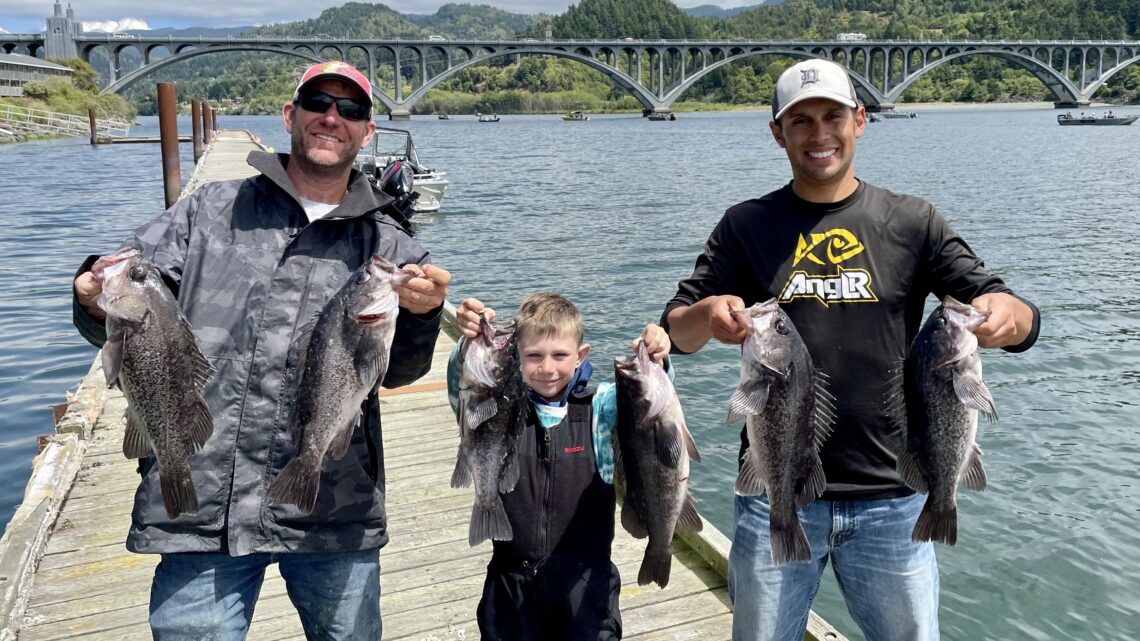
(510, 476)
(113, 354)
(936, 525)
(668, 442)
(789, 543)
(297, 484)
(136, 442)
(619, 464)
(178, 495)
(690, 519)
(339, 446)
(632, 522)
(749, 399)
(910, 468)
(655, 567)
(370, 367)
(814, 485)
(824, 412)
(461, 477)
(200, 368)
(748, 482)
(478, 413)
(489, 523)
(973, 393)
(690, 444)
(974, 476)
(201, 424)
(894, 396)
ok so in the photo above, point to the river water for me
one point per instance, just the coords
(612, 213)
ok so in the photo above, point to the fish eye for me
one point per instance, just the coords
(137, 273)
(781, 327)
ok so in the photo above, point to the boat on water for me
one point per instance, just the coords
(576, 115)
(874, 117)
(487, 117)
(1108, 119)
(897, 114)
(390, 144)
(662, 116)
(444, 117)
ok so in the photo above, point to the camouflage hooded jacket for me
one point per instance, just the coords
(249, 272)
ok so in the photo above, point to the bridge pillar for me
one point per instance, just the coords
(1071, 104)
(400, 114)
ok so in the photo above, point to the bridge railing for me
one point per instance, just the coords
(29, 121)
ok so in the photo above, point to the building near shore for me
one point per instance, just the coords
(16, 70)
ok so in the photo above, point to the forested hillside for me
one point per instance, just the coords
(255, 83)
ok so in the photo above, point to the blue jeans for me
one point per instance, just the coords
(211, 596)
(889, 582)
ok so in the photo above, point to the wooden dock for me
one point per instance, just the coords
(65, 573)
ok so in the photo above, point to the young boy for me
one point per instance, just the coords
(554, 580)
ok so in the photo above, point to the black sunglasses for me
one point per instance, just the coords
(319, 102)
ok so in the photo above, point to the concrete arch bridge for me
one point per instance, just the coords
(655, 72)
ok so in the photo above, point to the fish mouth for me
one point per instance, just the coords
(369, 319)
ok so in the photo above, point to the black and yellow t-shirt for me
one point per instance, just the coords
(854, 277)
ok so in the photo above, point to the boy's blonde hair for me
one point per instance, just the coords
(549, 314)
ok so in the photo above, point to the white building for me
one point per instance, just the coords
(16, 69)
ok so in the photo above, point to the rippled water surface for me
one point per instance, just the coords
(612, 213)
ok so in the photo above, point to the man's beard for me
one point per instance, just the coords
(300, 155)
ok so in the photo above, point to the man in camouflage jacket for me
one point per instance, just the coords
(251, 263)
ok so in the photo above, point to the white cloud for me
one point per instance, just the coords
(3, 30)
(111, 26)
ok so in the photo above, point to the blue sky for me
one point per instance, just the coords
(27, 16)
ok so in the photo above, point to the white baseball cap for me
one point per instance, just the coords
(815, 78)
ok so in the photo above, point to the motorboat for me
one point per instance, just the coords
(874, 117)
(657, 115)
(487, 117)
(1108, 118)
(891, 113)
(444, 117)
(576, 115)
(390, 144)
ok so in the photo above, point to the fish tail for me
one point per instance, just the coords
(655, 567)
(936, 524)
(489, 522)
(789, 543)
(296, 484)
(178, 494)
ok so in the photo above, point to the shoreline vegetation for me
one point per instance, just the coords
(73, 97)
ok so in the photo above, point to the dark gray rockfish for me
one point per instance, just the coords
(344, 360)
(789, 414)
(491, 416)
(151, 355)
(652, 450)
(943, 393)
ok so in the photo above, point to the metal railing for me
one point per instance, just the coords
(40, 122)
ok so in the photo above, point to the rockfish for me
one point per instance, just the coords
(652, 449)
(151, 355)
(491, 416)
(789, 415)
(344, 361)
(943, 392)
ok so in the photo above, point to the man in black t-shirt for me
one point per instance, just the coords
(852, 265)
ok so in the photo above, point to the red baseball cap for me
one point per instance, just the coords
(335, 69)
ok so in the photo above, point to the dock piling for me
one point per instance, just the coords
(196, 125)
(168, 132)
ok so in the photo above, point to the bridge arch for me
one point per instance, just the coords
(1062, 88)
(580, 54)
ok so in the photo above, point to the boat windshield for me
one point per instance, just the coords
(387, 142)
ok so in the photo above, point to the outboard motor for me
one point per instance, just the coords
(396, 181)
